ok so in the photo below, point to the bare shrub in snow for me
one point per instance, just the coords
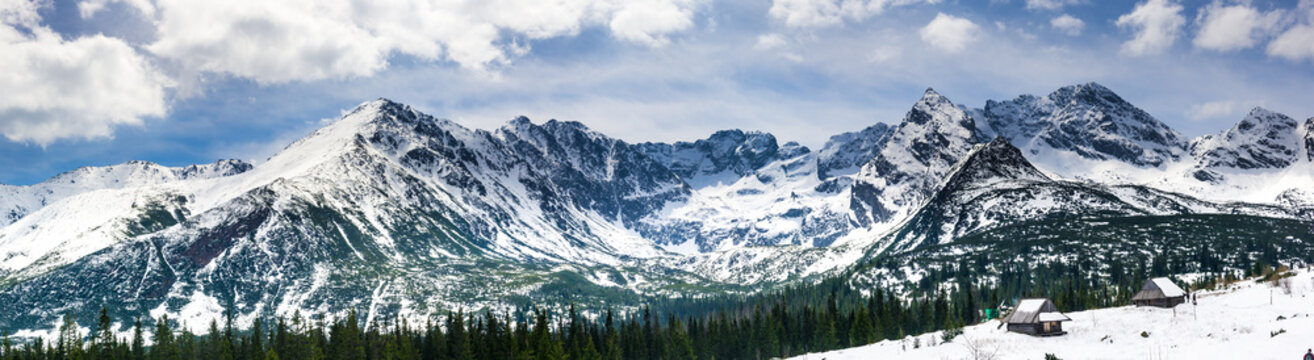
(980, 349)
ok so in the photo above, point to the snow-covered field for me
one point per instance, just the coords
(1234, 323)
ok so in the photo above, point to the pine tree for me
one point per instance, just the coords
(138, 341)
(862, 332)
(256, 348)
(70, 341)
(345, 340)
(187, 345)
(6, 346)
(678, 344)
(545, 346)
(612, 347)
(458, 341)
(102, 346)
(164, 347)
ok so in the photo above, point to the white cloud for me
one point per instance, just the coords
(1052, 5)
(820, 13)
(769, 41)
(1297, 42)
(1068, 24)
(89, 8)
(648, 21)
(1234, 27)
(883, 54)
(1157, 24)
(1212, 110)
(54, 88)
(298, 40)
(949, 33)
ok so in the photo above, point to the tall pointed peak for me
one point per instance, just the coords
(1094, 86)
(1260, 116)
(933, 97)
(995, 160)
(1260, 112)
(1089, 93)
(520, 120)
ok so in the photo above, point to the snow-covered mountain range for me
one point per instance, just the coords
(393, 212)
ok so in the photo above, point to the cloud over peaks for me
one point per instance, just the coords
(302, 40)
(1297, 42)
(949, 33)
(52, 88)
(1156, 24)
(820, 13)
(1233, 27)
(1068, 24)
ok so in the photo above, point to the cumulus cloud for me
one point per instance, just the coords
(1157, 24)
(1212, 110)
(1297, 42)
(1068, 24)
(949, 33)
(769, 41)
(1052, 5)
(820, 13)
(648, 21)
(89, 8)
(300, 40)
(54, 88)
(1233, 27)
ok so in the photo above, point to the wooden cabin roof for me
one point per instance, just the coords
(1031, 311)
(1159, 288)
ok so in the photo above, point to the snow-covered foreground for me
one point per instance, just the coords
(1234, 323)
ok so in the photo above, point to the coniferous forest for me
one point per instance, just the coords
(792, 320)
(802, 319)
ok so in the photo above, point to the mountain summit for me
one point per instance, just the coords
(399, 214)
(1087, 120)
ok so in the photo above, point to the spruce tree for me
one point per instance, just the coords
(458, 341)
(345, 340)
(70, 341)
(102, 346)
(138, 341)
(164, 347)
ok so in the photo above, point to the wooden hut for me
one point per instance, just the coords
(1159, 292)
(1038, 317)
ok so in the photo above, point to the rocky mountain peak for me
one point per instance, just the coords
(1308, 130)
(933, 136)
(993, 161)
(1089, 120)
(933, 106)
(223, 167)
(845, 153)
(720, 158)
(1088, 93)
(1262, 140)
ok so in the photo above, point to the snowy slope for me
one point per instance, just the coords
(1086, 132)
(389, 205)
(722, 158)
(844, 154)
(782, 203)
(1087, 120)
(1247, 320)
(1262, 140)
(392, 209)
(19, 201)
(933, 136)
(996, 186)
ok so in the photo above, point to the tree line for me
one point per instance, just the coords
(762, 328)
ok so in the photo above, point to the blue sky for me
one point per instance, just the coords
(100, 82)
